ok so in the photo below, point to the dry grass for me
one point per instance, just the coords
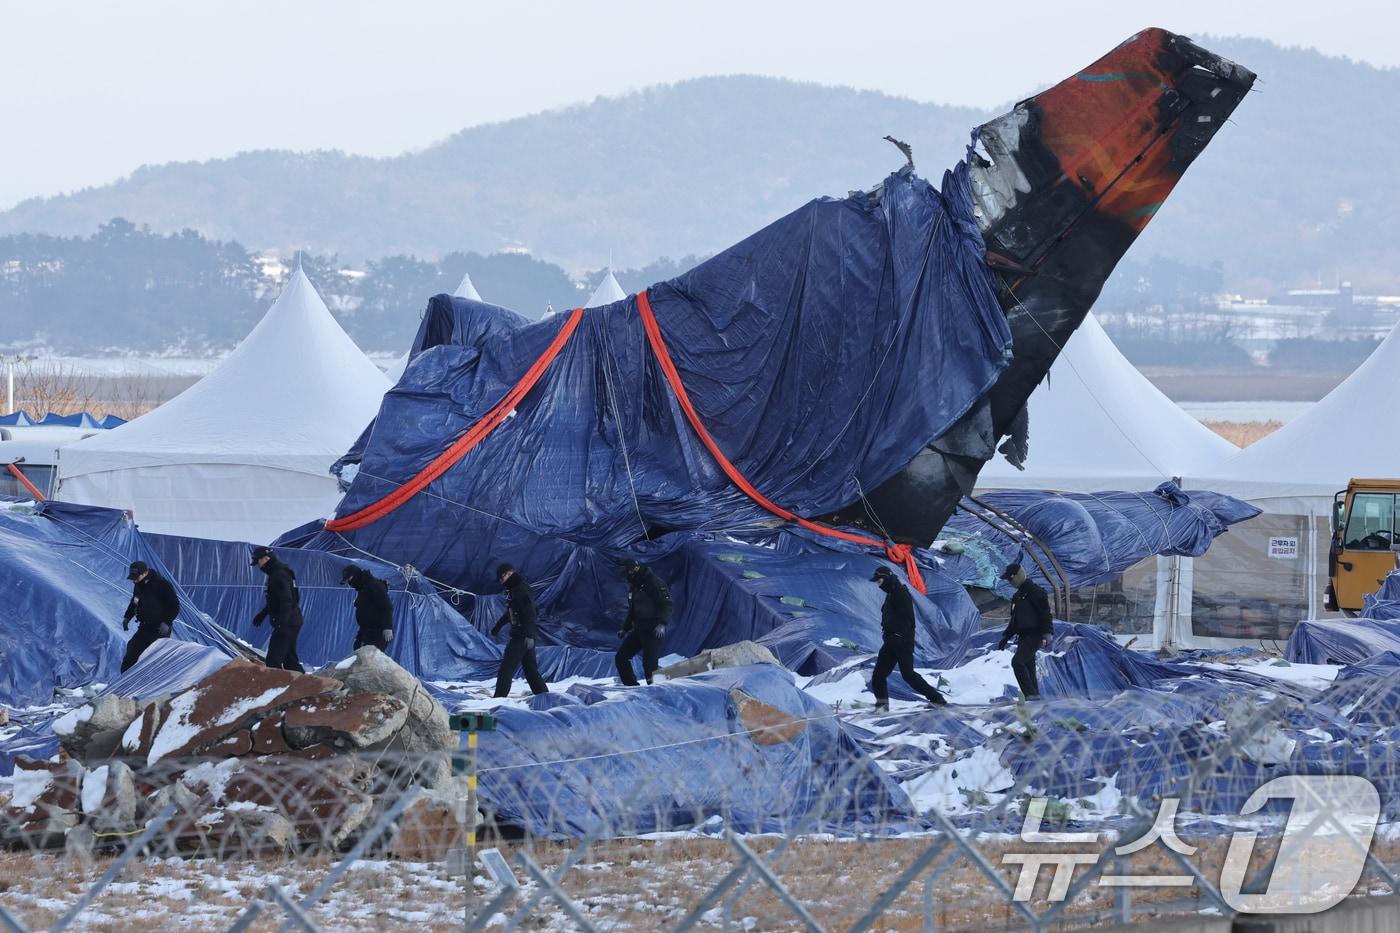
(1243, 433)
(43, 386)
(620, 884)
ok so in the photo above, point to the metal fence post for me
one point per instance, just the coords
(471, 723)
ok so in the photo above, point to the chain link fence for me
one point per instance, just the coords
(917, 819)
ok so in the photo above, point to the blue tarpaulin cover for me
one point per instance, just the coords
(1094, 536)
(63, 569)
(822, 353)
(432, 639)
(1384, 603)
(675, 756)
(1341, 641)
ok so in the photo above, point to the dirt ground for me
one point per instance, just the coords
(629, 884)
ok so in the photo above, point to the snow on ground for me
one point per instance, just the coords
(980, 681)
(960, 786)
(1316, 676)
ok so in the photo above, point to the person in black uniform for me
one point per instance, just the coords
(897, 625)
(648, 614)
(523, 618)
(374, 612)
(153, 604)
(283, 607)
(1032, 625)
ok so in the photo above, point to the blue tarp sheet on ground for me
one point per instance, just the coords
(1384, 603)
(822, 354)
(1341, 641)
(63, 569)
(672, 756)
(1094, 536)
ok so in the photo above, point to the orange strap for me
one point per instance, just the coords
(33, 490)
(898, 553)
(445, 460)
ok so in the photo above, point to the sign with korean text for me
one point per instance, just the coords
(1283, 548)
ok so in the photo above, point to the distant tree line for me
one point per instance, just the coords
(126, 288)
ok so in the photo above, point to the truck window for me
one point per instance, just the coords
(1371, 522)
(38, 474)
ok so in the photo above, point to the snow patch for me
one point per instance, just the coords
(131, 738)
(67, 724)
(942, 788)
(240, 709)
(94, 789)
(177, 730)
(213, 776)
(29, 786)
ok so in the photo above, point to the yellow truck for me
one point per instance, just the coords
(1365, 541)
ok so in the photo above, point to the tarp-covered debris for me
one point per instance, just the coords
(1384, 603)
(432, 639)
(1094, 537)
(1342, 641)
(673, 756)
(820, 354)
(63, 568)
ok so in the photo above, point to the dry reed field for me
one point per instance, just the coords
(1243, 433)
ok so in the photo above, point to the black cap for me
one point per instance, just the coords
(349, 572)
(880, 574)
(259, 553)
(137, 568)
(1010, 571)
(502, 569)
(628, 564)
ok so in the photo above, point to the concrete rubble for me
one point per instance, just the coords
(250, 760)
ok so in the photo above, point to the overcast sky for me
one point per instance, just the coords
(93, 90)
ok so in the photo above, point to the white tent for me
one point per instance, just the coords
(243, 454)
(606, 293)
(1096, 423)
(465, 288)
(1271, 572)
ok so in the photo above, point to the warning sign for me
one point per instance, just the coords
(1283, 548)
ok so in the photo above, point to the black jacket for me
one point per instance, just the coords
(1031, 619)
(897, 614)
(520, 609)
(648, 601)
(374, 612)
(153, 601)
(283, 606)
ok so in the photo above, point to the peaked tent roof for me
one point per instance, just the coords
(1096, 423)
(294, 391)
(465, 288)
(1349, 433)
(244, 453)
(606, 293)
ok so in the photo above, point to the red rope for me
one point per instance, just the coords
(898, 553)
(475, 435)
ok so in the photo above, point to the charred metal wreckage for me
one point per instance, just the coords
(1062, 185)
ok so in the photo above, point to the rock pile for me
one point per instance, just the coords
(254, 760)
